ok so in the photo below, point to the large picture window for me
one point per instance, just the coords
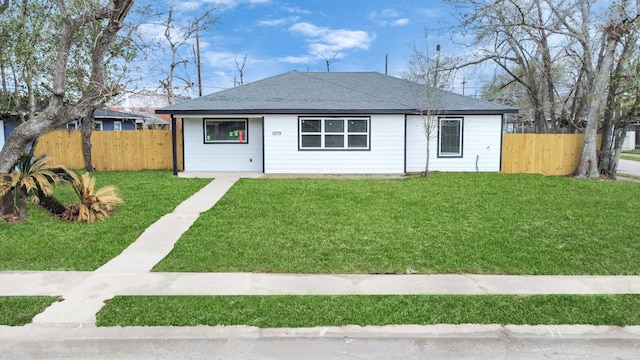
(348, 133)
(449, 137)
(234, 131)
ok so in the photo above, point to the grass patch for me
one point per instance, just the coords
(632, 158)
(447, 223)
(310, 311)
(630, 176)
(20, 310)
(633, 151)
(43, 242)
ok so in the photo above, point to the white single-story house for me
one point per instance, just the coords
(337, 123)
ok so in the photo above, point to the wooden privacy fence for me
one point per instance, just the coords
(547, 154)
(112, 150)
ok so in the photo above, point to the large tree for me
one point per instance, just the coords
(63, 105)
(562, 53)
(516, 36)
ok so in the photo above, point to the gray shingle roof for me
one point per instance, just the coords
(112, 114)
(332, 92)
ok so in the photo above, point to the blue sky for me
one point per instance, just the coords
(285, 35)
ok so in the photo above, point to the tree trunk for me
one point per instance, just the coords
(87, 129)
(606, 143)
(588, 166)
(20, 137)
(620, 134)
(7, 205)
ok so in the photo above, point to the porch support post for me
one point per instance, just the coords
(174, 144)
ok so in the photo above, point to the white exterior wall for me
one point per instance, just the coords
(481, 141)
(199, 156)
(629, 141)
(386, 154)
(1, 134)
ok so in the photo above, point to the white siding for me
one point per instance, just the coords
(481, 141)
(386, 154)
(199, 156)
(1, 134)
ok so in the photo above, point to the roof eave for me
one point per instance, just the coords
(333, 111)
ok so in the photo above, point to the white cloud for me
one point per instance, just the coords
(430, 13)
(400, 22)
(329, 41)
(230, 4)
(294, 59)
(278, 22)
(188, 5)
(152, 31)
(296, 10)
(389, 17)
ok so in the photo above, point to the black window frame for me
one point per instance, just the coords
(245, 135)
(322, 133)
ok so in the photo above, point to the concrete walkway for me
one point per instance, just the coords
(83, 299)
(84, 293)
(629, 166)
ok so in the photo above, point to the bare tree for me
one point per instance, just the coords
(240, 68)
(516, 37)
(566, 84)
(177, 36)
(619, 26)
(59, 109)
(328, 59)
(434, 73)
(621, 107)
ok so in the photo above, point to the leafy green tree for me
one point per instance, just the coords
(64, 32)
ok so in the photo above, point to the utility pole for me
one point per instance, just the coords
(386, 63)
(464, 81)
(437, 69)
(198, 60)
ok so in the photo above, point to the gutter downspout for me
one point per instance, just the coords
(174, 145)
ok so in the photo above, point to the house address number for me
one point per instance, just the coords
(276, 133)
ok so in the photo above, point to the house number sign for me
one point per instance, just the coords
(276, 133)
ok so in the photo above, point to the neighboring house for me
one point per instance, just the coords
(145, 102)
(1, 133)
(336, 123)
(109, 120)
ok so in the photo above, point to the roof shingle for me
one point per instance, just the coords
(332, 92)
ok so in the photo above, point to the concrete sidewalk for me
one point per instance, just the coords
(629, 167)
(95, 284)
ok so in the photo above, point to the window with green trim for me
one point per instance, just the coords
(449, 137)
(226, 131)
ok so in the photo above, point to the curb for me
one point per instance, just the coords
(31, 332)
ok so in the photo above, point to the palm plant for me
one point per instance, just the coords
(94, 205)
(31, 178)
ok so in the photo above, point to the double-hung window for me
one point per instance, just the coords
(450, 137)
(232, 131)
(334, 133)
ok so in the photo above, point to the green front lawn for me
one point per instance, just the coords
(447, 223)
(629, 157)
(20, 310)
(634, 151)
(311, 311)
(43, 242)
